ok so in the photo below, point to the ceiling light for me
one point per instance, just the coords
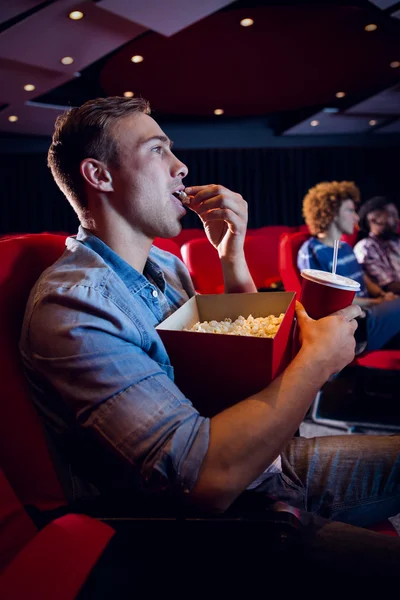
(372, 122)
(395, 64)
(314, 123)
(218, 111)
(340, 94)
(371, 27)
(129, 94)
(29, 87)
(76, 15)
(331, 109)
(13, 118)
(137, 58)
(246, 22)
(67, 60)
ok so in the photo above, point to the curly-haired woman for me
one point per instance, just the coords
(329, 209)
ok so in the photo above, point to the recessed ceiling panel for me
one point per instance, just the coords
(163, 16)
(383, 4)
(290, 63)
(44, 38)
(32, 120)
(330, 124)
(393, 127)
(12, 8)
(14, 76)
(384, 103)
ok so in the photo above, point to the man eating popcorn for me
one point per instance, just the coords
(103, 383)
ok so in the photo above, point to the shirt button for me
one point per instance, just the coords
(154, 293)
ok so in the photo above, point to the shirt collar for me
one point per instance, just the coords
(130, 276)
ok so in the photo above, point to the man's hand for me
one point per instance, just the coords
(224, 215)
(388, 296)
(331, 339)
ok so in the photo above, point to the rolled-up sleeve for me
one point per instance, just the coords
(98, 361)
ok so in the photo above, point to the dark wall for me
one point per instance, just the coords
(273, 181)
(30, 201)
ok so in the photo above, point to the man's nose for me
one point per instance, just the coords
(180, 169)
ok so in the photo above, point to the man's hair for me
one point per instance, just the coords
(85, 132)
(375, 203)
(322, 202)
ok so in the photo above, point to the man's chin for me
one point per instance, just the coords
(171, 231)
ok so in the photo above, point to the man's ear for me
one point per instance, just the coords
(96, 175)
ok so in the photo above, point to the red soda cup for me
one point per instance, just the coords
(323, 293)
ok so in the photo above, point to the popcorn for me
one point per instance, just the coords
(182, 196)
(265, 327)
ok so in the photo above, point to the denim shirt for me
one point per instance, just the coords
(101, 378)
(98, 367)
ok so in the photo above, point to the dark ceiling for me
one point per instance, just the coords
(287, 67)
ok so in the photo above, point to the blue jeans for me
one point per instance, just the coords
(341, 484)
(383, 324)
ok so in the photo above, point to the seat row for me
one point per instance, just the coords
(262, 250)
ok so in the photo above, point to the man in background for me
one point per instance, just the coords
(379, 251)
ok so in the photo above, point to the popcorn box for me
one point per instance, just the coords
(214, 370)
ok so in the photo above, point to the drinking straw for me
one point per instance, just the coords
(335, 253)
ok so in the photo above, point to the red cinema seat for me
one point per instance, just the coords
(169, 245)
(289, 246)
(274, 232)
(350, 239)
(188, 234)
(384, 527)
(381, 359)
(303, 229)
(16, 528)
(52, 563)
(25, 456)
(204, 266)
(261, 253)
